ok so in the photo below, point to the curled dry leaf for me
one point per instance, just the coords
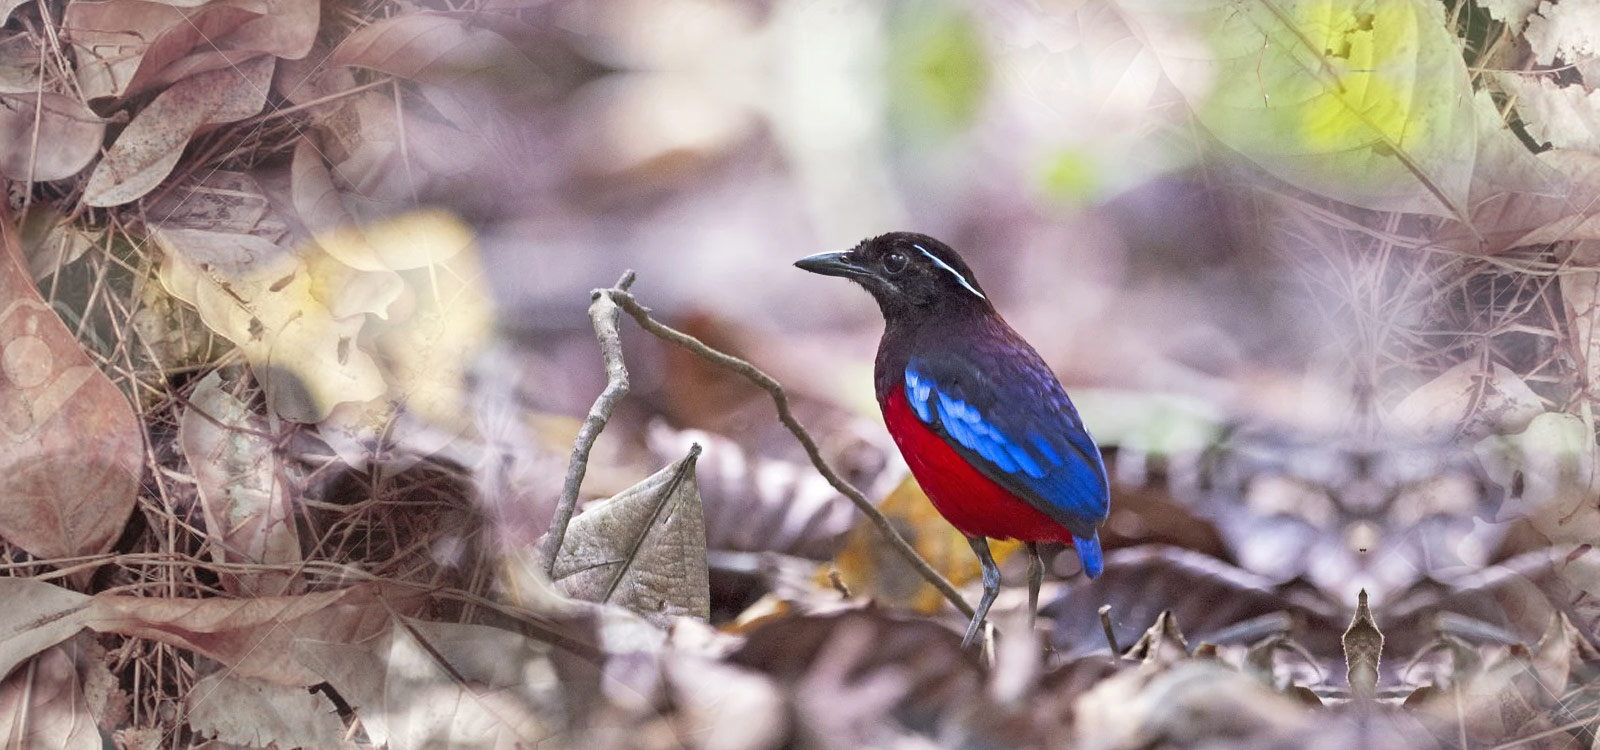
(252, 713)
(644, 549)
(71, 449)
(244, 489)
(426, 684)
(1363, 648)
(1369, 104)
(42, 705)
(148, 149)
(47, 136)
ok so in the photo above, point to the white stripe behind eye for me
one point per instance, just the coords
(953, 272)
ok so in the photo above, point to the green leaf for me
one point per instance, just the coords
(1363, 101)
(938, 69)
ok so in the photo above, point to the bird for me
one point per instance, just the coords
(987, 430)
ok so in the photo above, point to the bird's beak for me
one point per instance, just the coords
(831, 264)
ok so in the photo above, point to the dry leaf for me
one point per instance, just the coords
(1465, 400)
(42, 705)
(1363, 647)
(68, 136)
(122, 45)
(1216, 602)
(856, 666)
(37, 615)
(1568, 31)
(440, 322)
(1580, 297)
(450, 53)
(125, 47)
(1553, 461)
(724, 707)
(443, 685)
(1162, 644)
(243, 489)
(1561, 116)
(71, 449)
(229, 254)
(870, 567)
(759, 504)
(52, 243)
(644, 549)
(253, 636)
(1180, 707)
(252, 713)
(148, 149)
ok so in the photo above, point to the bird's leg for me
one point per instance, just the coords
(1035, 577)
(991, 588)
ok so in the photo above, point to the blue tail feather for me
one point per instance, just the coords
(1089, 554)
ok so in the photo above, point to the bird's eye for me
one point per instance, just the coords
(895, 262)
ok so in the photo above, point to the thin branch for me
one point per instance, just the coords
(623, 299)
(603, 312)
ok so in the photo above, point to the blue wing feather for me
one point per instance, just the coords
(1041, 451)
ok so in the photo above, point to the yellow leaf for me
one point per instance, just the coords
(869, 566)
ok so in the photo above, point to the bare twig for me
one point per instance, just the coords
(623, 299)
(1111, 635)
(603, 312)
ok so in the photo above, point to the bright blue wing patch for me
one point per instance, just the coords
(1062, 470)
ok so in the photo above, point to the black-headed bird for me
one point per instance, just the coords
(986, 428)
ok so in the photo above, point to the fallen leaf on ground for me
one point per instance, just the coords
(148, 149)
(71, 449)
(244, 491)
(449, 53)
(39, 615)
(42, 705)
(126, 47)
(1466, 400)
(426, 684)
(232, 256)
(252, 637)
(252, 713)
(67, 136)
(644, 549)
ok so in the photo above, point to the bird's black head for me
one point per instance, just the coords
(907, 273)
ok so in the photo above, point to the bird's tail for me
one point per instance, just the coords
(1089, 554)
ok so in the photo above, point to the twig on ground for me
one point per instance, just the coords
(603, 312)
(640, 314)
(1111, 634)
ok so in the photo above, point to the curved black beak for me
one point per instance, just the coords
(831, 264)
